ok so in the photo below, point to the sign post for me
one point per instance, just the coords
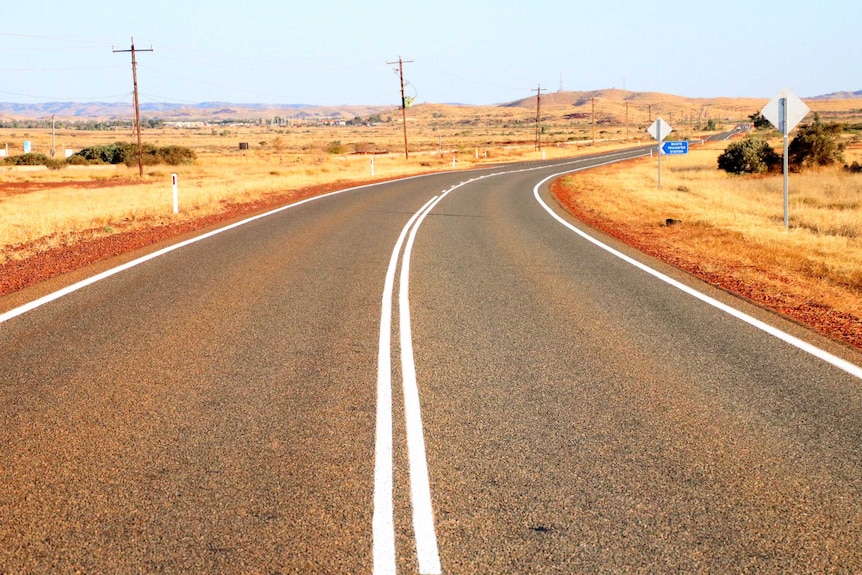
(784, 111)
(659, 130)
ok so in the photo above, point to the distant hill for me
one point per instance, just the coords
(579, 99)
(200, 111)
(610, 104)
(839, 96)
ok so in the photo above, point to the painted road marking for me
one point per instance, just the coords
(824, 355)
(382, 522)
(420, 489)
(383, 529)
(383, 526)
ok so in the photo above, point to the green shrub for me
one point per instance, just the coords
(816, 144)
(749, 156)
(127, 153)
(760, 122)
(116, 153)
(27, 160)
(177, 155)
(34, 160)
(76, 160)
(335, 147)
(149, 156)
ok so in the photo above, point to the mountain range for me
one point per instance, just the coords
(210, 111)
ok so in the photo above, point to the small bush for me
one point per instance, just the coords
(26, 160)
(760, 122)
(116, 153)
(816, 144)
(335, 147)
(76, 160)
(749, 156)
(127, 153)
(34, 160)
(177, 155)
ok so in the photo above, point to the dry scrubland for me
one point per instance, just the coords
(50, 207)
(279, 162)
(731, 227)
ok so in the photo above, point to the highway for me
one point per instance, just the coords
(442, 374)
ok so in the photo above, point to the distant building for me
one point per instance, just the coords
(185, 124)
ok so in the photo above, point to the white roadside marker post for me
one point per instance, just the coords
(176, 193)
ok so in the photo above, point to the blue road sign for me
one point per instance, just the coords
(674, 148)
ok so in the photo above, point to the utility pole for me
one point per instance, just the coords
(137, 103)
(627, 120)
(53, 146)
(593, 100)
(538, 91)
(403, 101)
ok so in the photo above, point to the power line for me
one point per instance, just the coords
(90, 41)
(56, 69)
(88, 99)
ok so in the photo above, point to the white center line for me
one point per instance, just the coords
(383, 526)
(420, 489)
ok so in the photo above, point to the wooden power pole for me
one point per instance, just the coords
(627, 121)
(137, 104)
(538, 91)
(401, 63)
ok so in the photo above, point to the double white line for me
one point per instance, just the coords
(420, 489)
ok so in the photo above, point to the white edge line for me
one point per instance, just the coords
(30, 306)
(829, 358)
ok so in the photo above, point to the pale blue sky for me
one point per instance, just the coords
(467, 51)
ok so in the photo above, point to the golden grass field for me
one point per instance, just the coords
(730, 225)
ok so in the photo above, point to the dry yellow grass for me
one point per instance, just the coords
(732, 226)
(110, 199)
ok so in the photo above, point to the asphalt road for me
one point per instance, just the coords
(267, 400)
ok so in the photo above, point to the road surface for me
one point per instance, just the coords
(434, 375)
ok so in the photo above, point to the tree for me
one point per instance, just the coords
(759, 121)
(749, 156)
(816, 144)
